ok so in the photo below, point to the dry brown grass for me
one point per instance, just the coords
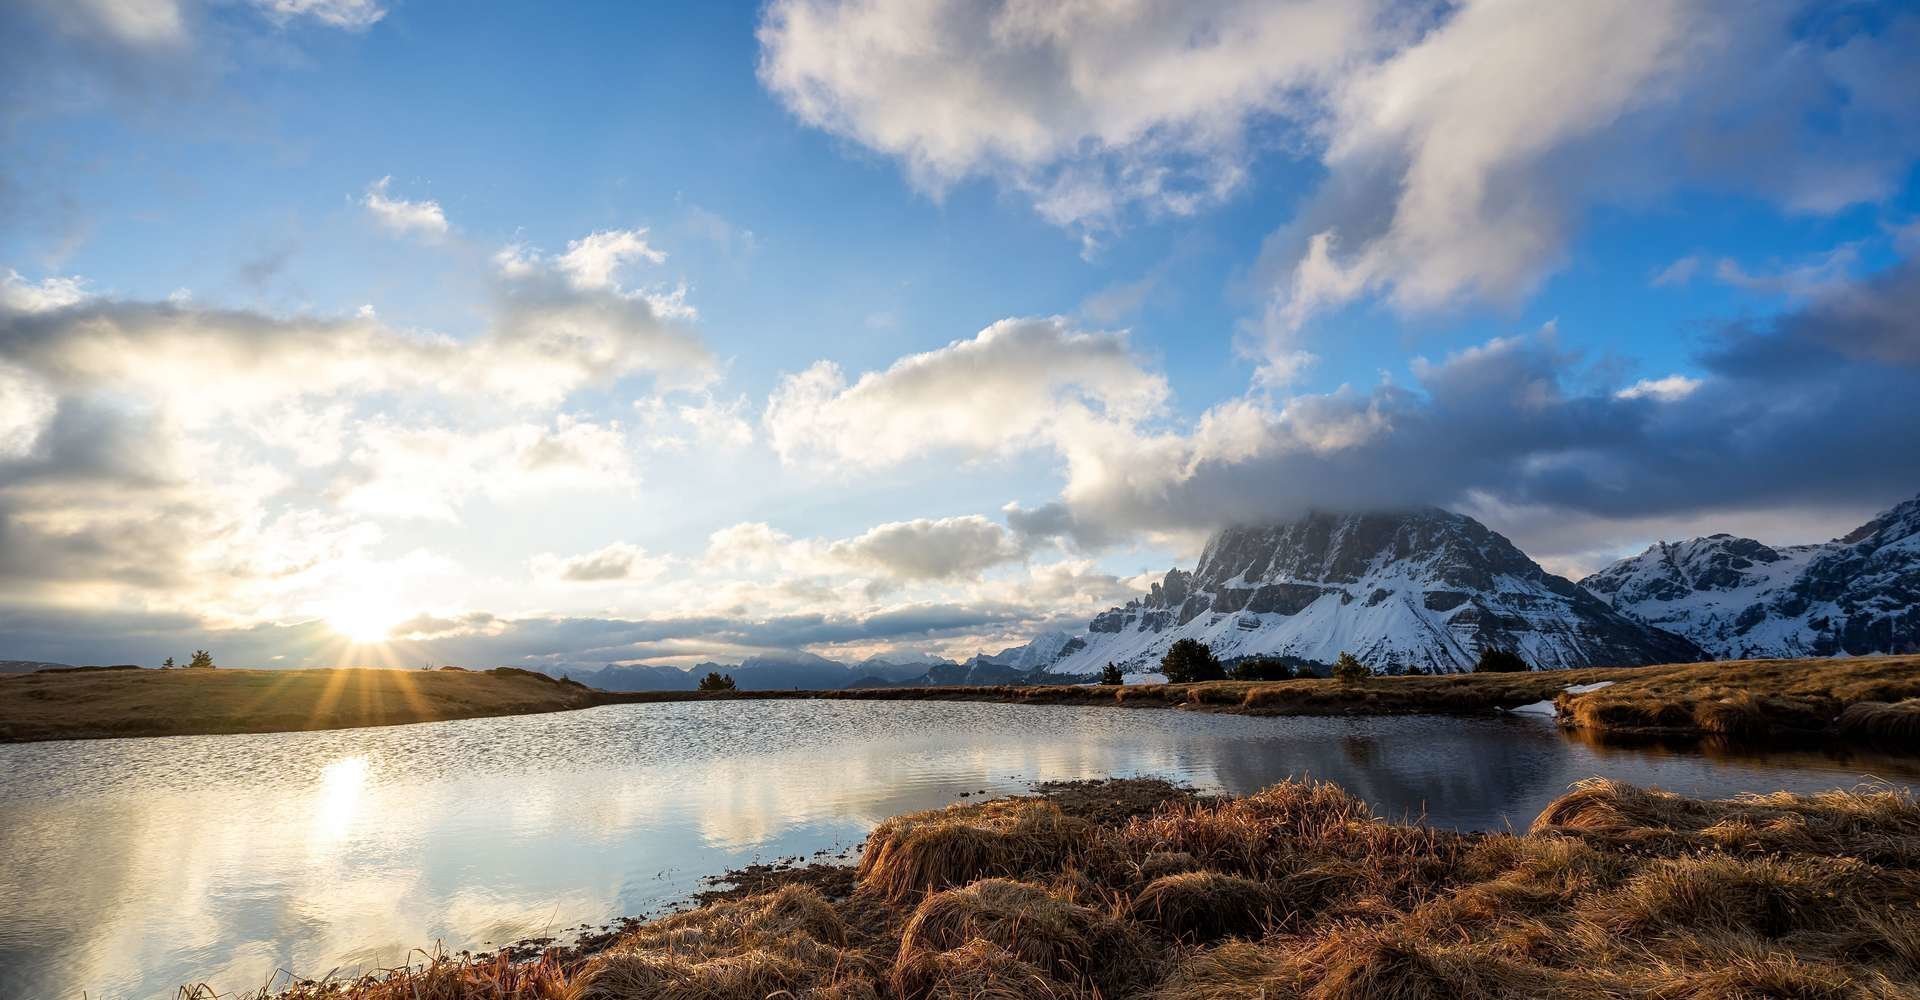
(107, 704)
(929, 851)
(1202, 906)
(1296, 892)
(1751, 700)
(1895, 726)
(1075, 945)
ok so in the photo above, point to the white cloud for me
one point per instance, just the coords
(1665, 390)
(21, 295)
(428, 472)
(1089, 108)
(351, 15)
(1013, 386)
(403, 216)
(1678, 273)
(1824, 273)
(615, 562)
(137, 23)
(926, 549)
(590, 261)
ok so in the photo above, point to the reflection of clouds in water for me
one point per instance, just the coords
(137, 865)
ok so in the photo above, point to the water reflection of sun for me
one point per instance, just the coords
(338, 800)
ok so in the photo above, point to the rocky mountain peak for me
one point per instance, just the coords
(1737, 597)
(1415, 589)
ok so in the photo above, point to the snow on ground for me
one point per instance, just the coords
(1546, 707)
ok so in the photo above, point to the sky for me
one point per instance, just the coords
(395, 332)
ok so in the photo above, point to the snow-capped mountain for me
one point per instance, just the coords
(1737, 597)
(1423, 589)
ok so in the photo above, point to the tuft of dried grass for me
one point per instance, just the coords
(925, 852)
(1070, 943)
(1236, 970)
(1198, 907)
(977, 970)
(1367, 965)
(1881, 826)
(1894, 726)
(440, 977)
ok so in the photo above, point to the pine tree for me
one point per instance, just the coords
(1190, 660)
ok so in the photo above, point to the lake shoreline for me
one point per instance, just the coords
(1140, 888)
(1869, 700)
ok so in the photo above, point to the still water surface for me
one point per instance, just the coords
(129, 867)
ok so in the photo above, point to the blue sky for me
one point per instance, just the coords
(446, 325)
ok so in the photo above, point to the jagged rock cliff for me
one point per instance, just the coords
(1736, 597)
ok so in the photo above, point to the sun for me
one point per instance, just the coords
(363, 623)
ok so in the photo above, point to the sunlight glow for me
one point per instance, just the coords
(363, 621)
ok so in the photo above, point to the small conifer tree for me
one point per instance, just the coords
(1190, 660)
(1349, 670)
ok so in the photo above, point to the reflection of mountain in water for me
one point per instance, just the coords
(1460, 773)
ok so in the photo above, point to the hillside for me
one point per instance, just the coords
(94, 705)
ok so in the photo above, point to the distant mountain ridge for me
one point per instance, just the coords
(807, 671)
(1737, 598)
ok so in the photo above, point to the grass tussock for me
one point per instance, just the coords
(1893, 726)
(928, 851)
(1297, 892)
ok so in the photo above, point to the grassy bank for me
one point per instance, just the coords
(1134, 889)
(113, 703)
(1871, 700)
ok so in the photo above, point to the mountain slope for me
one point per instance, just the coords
(1736, 597)
(1424, 589)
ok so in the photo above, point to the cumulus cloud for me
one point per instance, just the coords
(1462, 144)
(1089, 108)
(591, 260)
(175, 454)
(427, 472)
(1823, 390)
(402, 216)
(926, 549)
(1015, 384)
(618, 561)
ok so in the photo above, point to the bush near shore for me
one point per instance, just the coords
(1135, 889)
